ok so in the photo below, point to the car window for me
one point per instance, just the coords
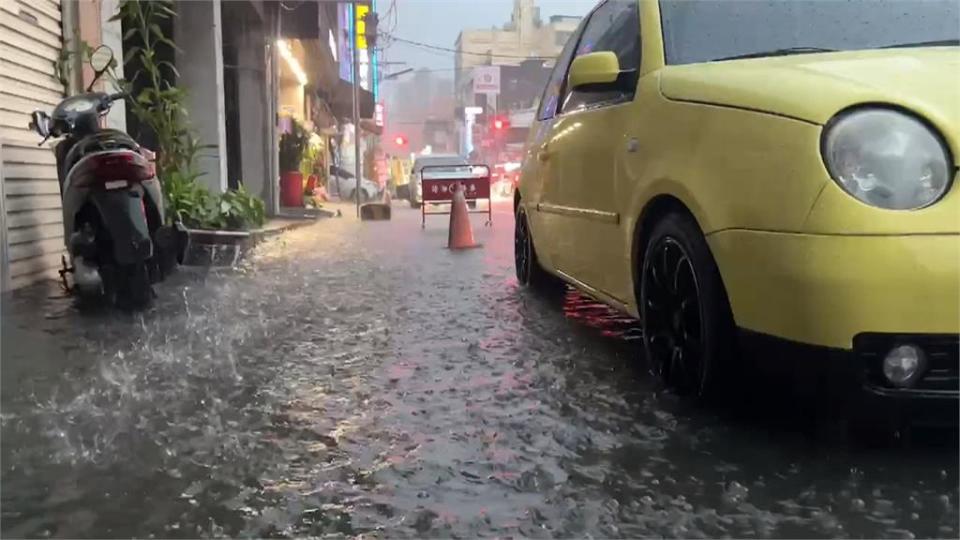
(551, 94)
(707, 30)
(614, 26)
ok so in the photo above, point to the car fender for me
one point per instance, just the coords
(733, 168)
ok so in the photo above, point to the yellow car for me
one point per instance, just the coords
(738, 174)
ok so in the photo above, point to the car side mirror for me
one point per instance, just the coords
(597, 68)
(40, 122)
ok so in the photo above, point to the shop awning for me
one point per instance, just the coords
(341, 101)
(323, 70)
(368, 125)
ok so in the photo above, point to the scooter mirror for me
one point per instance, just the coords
(40, 122)
(101, 58)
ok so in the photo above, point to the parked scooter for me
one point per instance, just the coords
(112, 200)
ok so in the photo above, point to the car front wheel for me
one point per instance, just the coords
(687, 325)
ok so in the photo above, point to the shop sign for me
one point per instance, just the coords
(378, 114)
(486, 80)
(361, 25)
(345, 58)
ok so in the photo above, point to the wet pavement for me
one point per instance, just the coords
(358, 379)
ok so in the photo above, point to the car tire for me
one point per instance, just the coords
(688, 330)
(526, 264)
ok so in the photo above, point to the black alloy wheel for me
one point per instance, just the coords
(522, 247)
(687, 325)
(673, 315)
(525, 261)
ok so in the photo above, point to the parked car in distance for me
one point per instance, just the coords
(346, 182)
(759, 176)
(415, 192)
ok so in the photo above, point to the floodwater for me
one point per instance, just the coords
(357, 378)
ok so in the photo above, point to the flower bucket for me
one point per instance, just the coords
(291, 189)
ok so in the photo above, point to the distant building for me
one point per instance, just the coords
(515, 60)
(525, 36)
(411, 103)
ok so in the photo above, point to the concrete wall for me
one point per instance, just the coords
(197, 32)
(255, 122)
(112, 36)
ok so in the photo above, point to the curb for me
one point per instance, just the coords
(302, 220)
(258, 235)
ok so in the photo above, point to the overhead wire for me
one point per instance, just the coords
(428, 46)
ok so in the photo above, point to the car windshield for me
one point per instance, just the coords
(708, 30)
(439, 161)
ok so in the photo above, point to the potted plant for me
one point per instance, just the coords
(292, 146)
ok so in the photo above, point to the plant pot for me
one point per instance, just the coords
(291, 188)
(215, 247)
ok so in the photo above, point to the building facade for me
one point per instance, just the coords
(31, 37)
(246, 66)
(515, 60)
(526, 36)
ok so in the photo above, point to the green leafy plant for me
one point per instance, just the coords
(310, 164)
(236, 210)
(187, 201)
(292, 146)
(158, 104)
(161, 106)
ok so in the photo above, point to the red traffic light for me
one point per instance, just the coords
(400, 140)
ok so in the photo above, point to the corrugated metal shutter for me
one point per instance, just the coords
(30, 41)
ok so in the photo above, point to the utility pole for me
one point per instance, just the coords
(358, 169)
(371, 21)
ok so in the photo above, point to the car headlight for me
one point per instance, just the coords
(887, 159)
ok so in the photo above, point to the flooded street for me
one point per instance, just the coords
(357, 378)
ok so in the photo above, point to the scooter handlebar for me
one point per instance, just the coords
(118, 95)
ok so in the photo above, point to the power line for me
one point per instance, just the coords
(455, 51)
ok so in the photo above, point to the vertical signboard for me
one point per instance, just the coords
(350, 20)
(361, 12)
(345, 24)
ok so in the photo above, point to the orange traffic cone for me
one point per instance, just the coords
(461, 232)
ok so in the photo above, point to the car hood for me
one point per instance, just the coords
(814, 87)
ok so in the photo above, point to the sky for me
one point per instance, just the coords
(439, 22)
